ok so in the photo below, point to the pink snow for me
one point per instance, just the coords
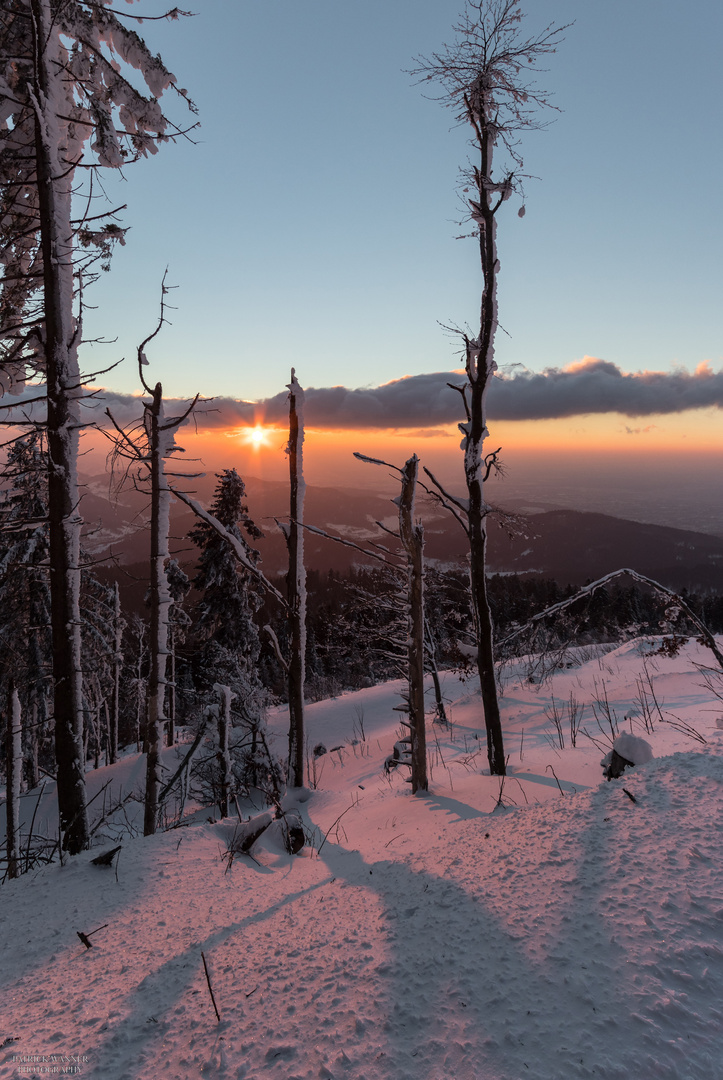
(550, 928)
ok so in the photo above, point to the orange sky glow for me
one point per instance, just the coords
(328, 454)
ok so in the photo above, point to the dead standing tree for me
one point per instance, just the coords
(411, 533)
(146, 451)
(296, 583)
(485, 80)
(411, 565)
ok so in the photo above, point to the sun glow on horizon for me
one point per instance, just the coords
(257, 437)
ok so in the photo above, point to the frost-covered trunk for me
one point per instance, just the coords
(14, 768)
(223, 754)
(481, 366)
(159, 439)
(33, 746)
(117, 665)
(296, 581)
(412, 536)
(171, 718)
(62, 333)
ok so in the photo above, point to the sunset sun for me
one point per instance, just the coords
(257, 436)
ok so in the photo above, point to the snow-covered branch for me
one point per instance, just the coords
(706, 636)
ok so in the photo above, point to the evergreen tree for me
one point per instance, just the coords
(225, 634)
(224, 625)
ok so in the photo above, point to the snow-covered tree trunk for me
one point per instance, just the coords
(62, 333)
(114, 715)
(223, 753)
(296, 585)
(481, 366)
(412, 536)
(14, 765)
(32, 744)
(486, 76)
(171, 702)
(159, 438)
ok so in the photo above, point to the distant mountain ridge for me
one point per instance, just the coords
(570, 546)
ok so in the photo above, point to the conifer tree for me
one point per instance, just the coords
(224, 626)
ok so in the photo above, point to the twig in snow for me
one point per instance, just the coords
(557, 781)
(521, 789)
(630, 795)
(84, 937)
(210, 988)
(326, 834)
(394, 838)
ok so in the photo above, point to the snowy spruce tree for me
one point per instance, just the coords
(226, 638)
(67, 110)
(223, 628)
(486, 80)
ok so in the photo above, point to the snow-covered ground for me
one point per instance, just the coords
(552, 928)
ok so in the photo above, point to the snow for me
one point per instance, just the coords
(548, 927)
(633, 748)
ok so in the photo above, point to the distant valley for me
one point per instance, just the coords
(570, 546)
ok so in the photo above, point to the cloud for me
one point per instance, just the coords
(640, 430)
(588, 386)
(597, 386)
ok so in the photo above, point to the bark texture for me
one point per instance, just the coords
(14, 769)
(296, 586)
(62, 333)
(412, 536)
(160, 604)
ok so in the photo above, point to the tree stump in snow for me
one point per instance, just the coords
(615, 765)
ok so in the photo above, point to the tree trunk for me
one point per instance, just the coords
(117, 662)
(296, 586)
(431, 654)
(171, 721)
(14, 768)
(62, 334)
(223, 755)
(480, 366)
(33, 741)
(160, 604)
(412, 536)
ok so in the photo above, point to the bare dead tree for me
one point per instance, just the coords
(146, 451)
(410, 565)
(296, 584)
(486, 79)
(411, 533)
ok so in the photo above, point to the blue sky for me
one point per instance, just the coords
(313, 223)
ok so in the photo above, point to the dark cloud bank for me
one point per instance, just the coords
(592, 386)
(595, 386)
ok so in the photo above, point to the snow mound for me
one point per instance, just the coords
(633, 748)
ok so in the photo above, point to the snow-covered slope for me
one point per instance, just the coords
(555, 929)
